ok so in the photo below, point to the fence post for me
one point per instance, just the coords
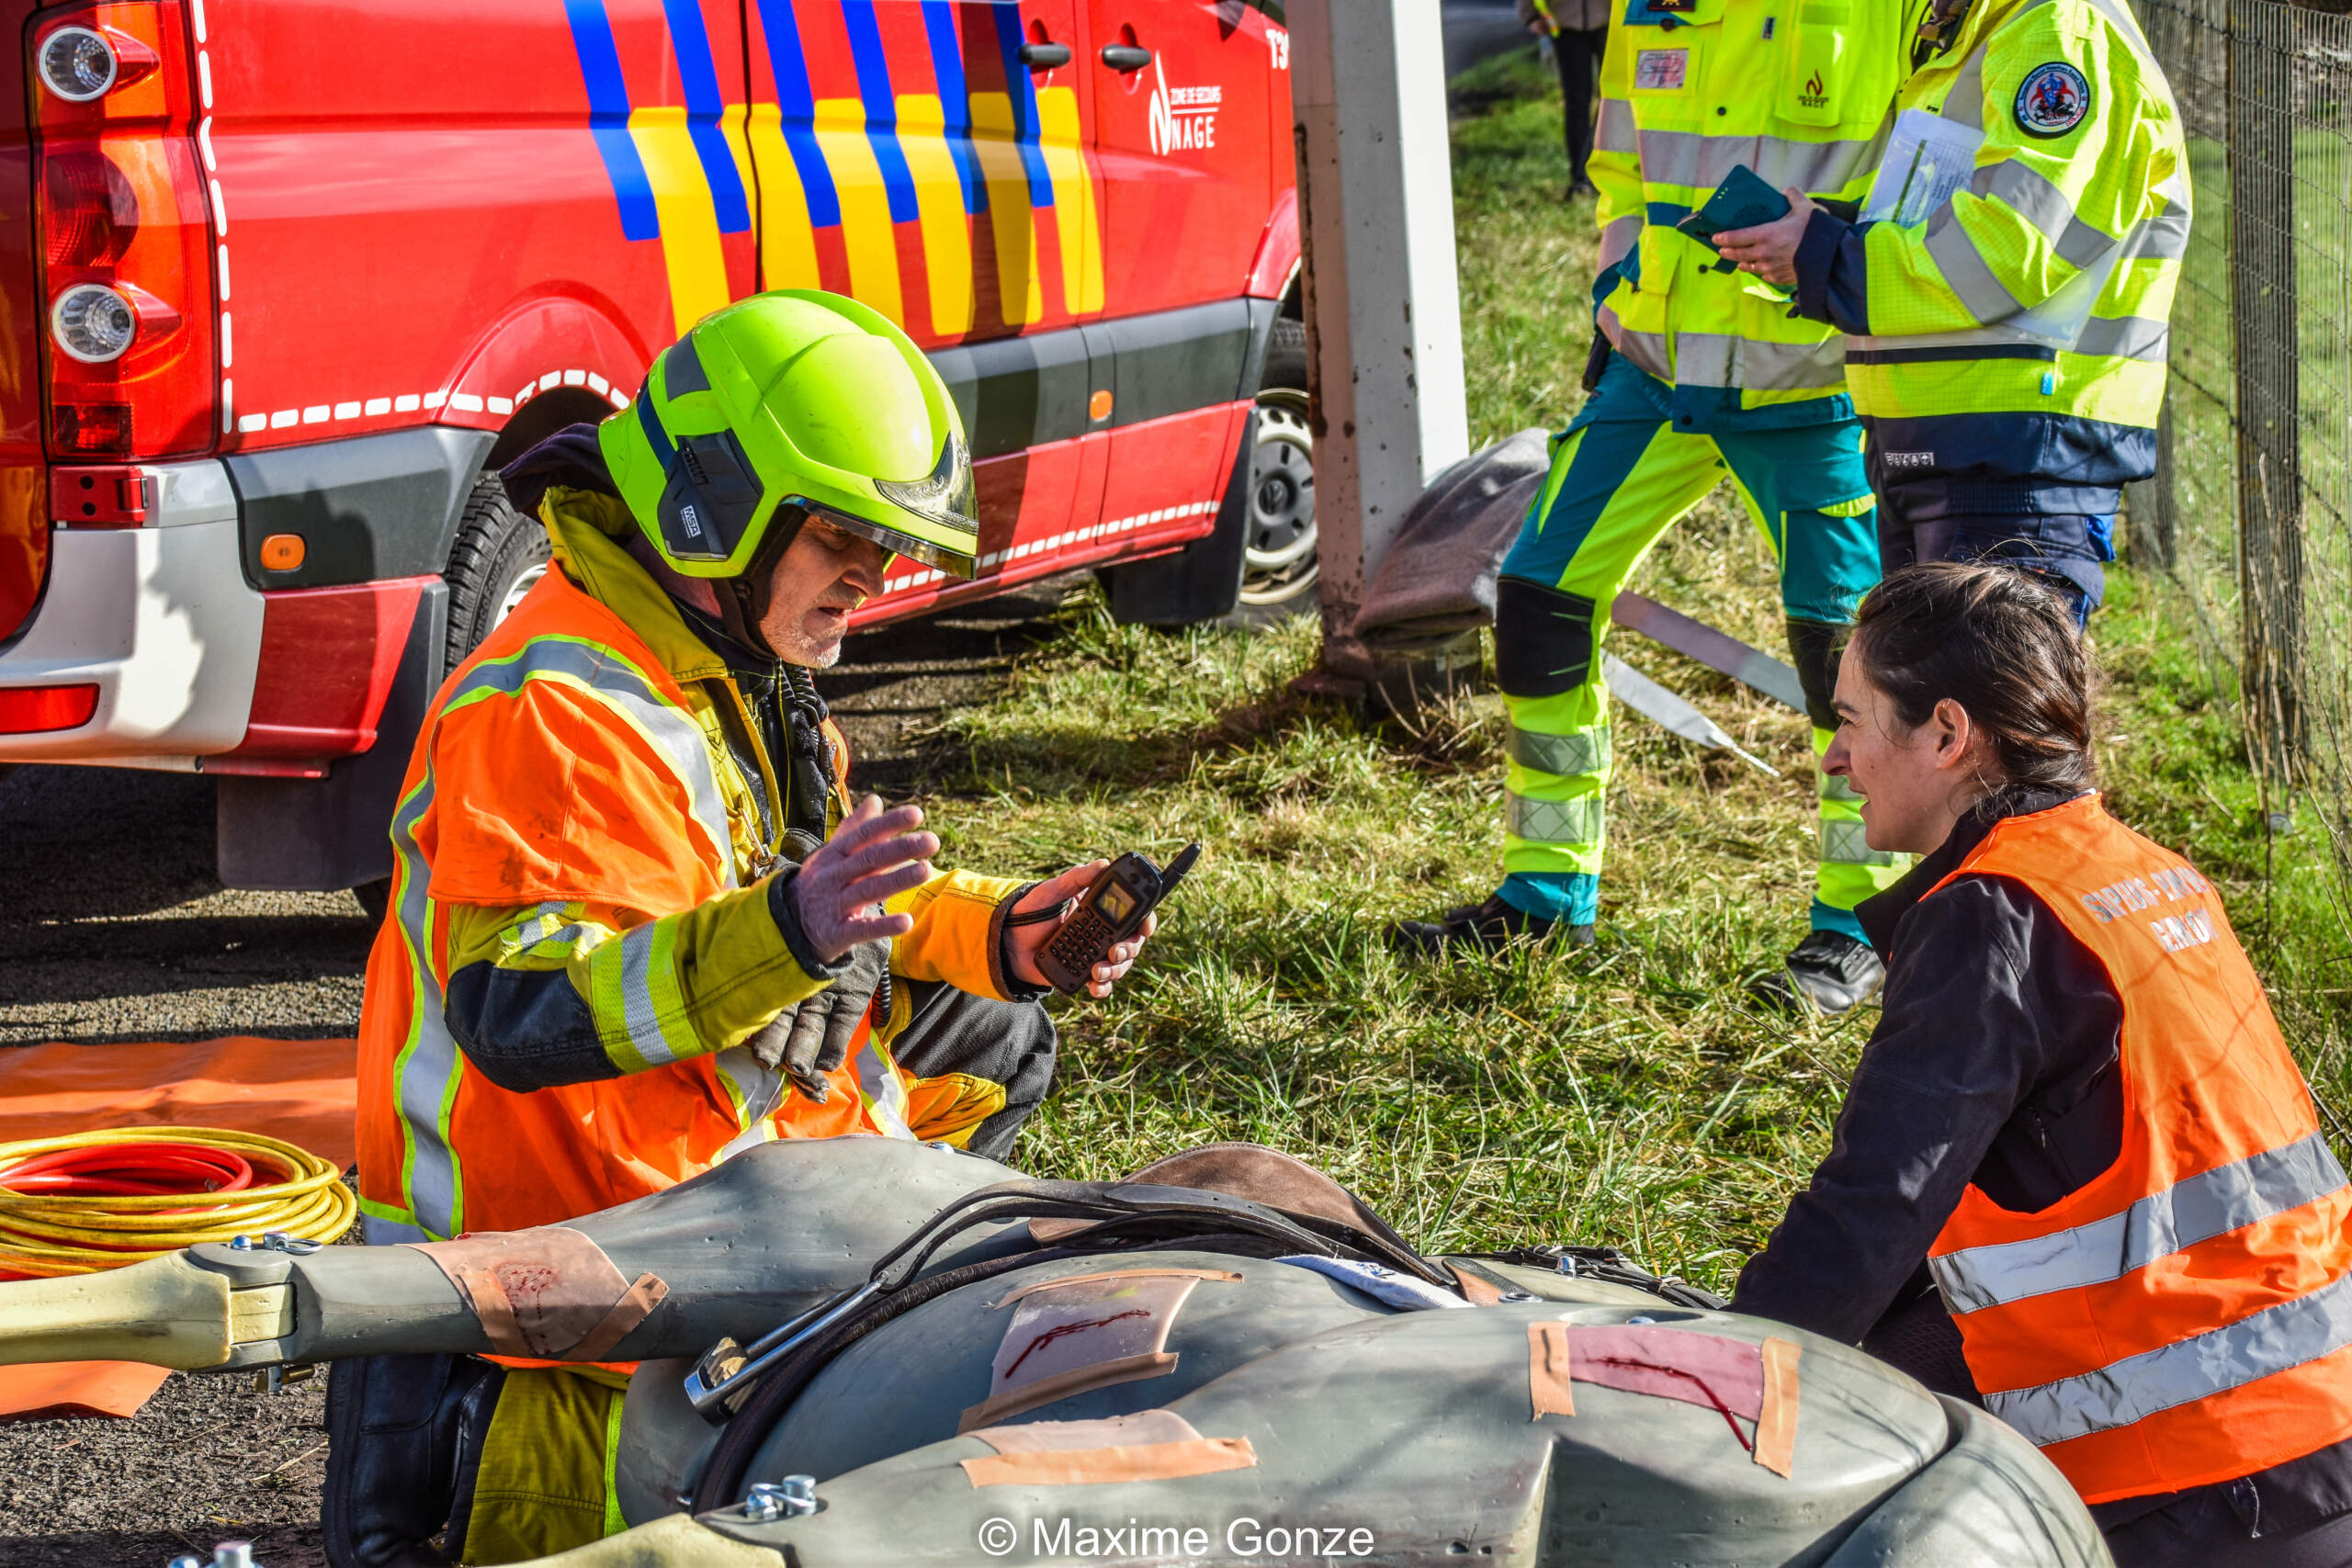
(2265, 355)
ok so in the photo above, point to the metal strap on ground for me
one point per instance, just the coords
(1654, 702)
(1585, 751)
(1576, 821)
(2215, 1202)
(1717, 651)
(2264, 1344)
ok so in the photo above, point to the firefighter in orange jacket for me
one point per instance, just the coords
(2077, 1177)
(633, 929)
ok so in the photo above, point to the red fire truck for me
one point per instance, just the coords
(290, 279)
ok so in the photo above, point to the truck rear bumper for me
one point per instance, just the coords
(159, 618)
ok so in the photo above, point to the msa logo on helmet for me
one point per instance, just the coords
(1815, 94)
(2052, 100)
(710, 498)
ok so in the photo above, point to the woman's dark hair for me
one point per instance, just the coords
(2000, 645)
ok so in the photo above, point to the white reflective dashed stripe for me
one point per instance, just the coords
(672, 731)
(884, 1096)
(1726, 359)
(756, 1092)
(2274, 1340)
(1964, 105)
(2126, 337)
(2214, 1203)
(377, 1231)
(1647, 350)
(1964, 271)
(2038, 200)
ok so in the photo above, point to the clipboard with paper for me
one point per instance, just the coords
(1928, 158)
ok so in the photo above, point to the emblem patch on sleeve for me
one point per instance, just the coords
(2052, 99)
(1661, 69)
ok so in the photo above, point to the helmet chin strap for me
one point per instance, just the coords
(743, 600)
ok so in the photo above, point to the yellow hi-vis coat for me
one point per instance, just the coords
(2007, 353)
(572, 804)
(1798, 92)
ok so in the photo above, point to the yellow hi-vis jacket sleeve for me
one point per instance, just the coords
(2043, 205)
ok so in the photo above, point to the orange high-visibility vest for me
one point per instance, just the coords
(562, 761)
(2185, 1318)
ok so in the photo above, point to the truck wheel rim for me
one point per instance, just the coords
(1278, 558)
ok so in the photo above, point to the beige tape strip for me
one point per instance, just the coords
(1145, 1426)
(1547, 1371)
(648, 1293)
(549, 1293)
(1477, 1290)
(1776, 1428)
(1224, 1275)
(1092, 1467)
(1062, 1385)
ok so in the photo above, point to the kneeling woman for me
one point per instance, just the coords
(2076, 1116)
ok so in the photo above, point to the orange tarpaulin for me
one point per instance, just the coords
(300, 1090)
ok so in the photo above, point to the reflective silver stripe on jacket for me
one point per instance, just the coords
(1965, 270)
(2274, 1340)
(1726, 359)
(1574, 821)
(2126, 337)
(1699, 161)
(672, 730)
(1617, 241)
(1616, 131)
(424, 1074)
(2037, 199)
(2214, 1203)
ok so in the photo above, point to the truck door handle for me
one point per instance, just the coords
(1125, 56)
(1045, 56)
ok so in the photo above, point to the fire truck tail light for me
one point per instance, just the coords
(78, 64)
(126, 228)
(93, 322)
(93, 211)
(27, 710)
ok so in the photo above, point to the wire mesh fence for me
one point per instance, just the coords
(2251, 509)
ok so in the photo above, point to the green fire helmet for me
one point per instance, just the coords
(794, 399)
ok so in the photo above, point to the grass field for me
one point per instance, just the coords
(1624, 1095)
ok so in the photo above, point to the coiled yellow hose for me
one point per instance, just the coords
(50, 1234)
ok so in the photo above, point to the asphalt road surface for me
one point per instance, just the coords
(1476, 28)
(113, 929)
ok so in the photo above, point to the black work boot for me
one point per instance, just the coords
(1829, 973)
(1488, 927)
(399, 1429)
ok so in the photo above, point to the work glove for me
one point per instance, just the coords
(811, 1037)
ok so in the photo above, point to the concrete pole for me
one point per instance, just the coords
(1384, 311)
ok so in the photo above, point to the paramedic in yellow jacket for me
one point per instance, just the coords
(633, 929)
(1707, 379)
(2006, 345)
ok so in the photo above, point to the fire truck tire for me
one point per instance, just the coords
(1278, 566)
(500, 555)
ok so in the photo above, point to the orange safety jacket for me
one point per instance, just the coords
(2186, 1317)
(574, 790)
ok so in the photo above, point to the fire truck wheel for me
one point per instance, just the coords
(499, 556)
(1278, 565)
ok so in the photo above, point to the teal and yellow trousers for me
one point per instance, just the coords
(1638, 457)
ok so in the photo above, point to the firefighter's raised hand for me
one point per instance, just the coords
(873, 855)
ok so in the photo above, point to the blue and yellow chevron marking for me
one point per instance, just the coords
(861, 166)
(599, 68)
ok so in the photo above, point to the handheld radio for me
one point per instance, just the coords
(1110, 910)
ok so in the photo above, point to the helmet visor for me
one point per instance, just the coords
(897, 541)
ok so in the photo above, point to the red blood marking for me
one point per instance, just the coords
(1051, 1334)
